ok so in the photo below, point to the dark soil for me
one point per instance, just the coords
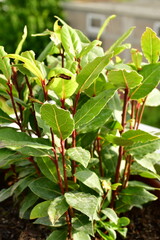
(145, 224)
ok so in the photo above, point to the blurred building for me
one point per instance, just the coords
(89, 15)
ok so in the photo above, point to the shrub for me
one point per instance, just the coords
(72, 142)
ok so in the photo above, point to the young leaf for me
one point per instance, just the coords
(151, 77)
(30, 65)
(82, 224)
(62, 82)
(150, 44)
(83, 202)
(80, 155)
(47, 167)
(124, 78)
(106, 22)
(44, 188)
(120, 40)
(80, 236)
(58, 235)
(91, 71)
(93, 107)
(5, 66)
(90, 179)
(57, 208)
(20, 45)
(40, 210)
(85, 50)
(58, 119)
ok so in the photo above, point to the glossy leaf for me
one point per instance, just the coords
(29, 64)
(5, 66)
(57, 208)
(83, 202)
(58, 119)
(44, 188)
(5, 193)
(151, 77)
(40, 210)
(120, 40)
(124, 78)
(80, 236)
(120, 141)
(58, 235)
(111, 214)
(80, 155)
(90, 179)
(150, 44)
(62, 82)
(82, 224)
(153, 99)
(92, 107)
(138, 136)
(47, 167)
(91, 71)
(28, 202)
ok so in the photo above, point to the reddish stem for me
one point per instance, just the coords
(64, 164)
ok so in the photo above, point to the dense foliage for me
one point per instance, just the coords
(73, 140)
(36, 14)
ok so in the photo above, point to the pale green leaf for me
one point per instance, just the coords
(86, 49)
(83, 202)
(120, 141)
(5, 66)
(20, 45)
(124, 78)
(150, 44)
(93, 107)
(80, 236)
(80, 155)
(105, 24)
(138, 136)
(90, 179)
(91, 71)
(151, 78)
(111, 214)
(58, 119)
(40, 210)
(57, 208)
(44, 188)
(153, 99)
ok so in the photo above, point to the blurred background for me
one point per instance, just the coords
(86, 15)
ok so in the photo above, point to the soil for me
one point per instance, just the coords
(145, 224)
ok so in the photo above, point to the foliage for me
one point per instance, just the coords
(72, 141)
(36, 14)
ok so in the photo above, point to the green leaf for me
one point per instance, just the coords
(92, 107)
(97, 122)
(83, 202)
(29, 64)
(5, 66)
(62, 82)
(40, 210)
(6, 155)
(123, 221)
(5, 118)
(151, 77)
(141, 149)
(111, 214)
(57, 208)
(70, 41)
(82, 224)
(47, 167)
(124, 78)
(85, 50)
(153, 99)
(5, 193)
(91, 71)
(104, 236)
(20, 45)
(46, 51)
(58, 119)
(80, 155)
(44, 188)
(138, 136)
(58, 235)
(150, 44)
(90, 179)
(136, 58)
(28, 202)
(120, 40)
(21, 185)
(120, 141)
(80, 236)
(106, 22)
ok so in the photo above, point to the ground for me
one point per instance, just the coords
(145, 224)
